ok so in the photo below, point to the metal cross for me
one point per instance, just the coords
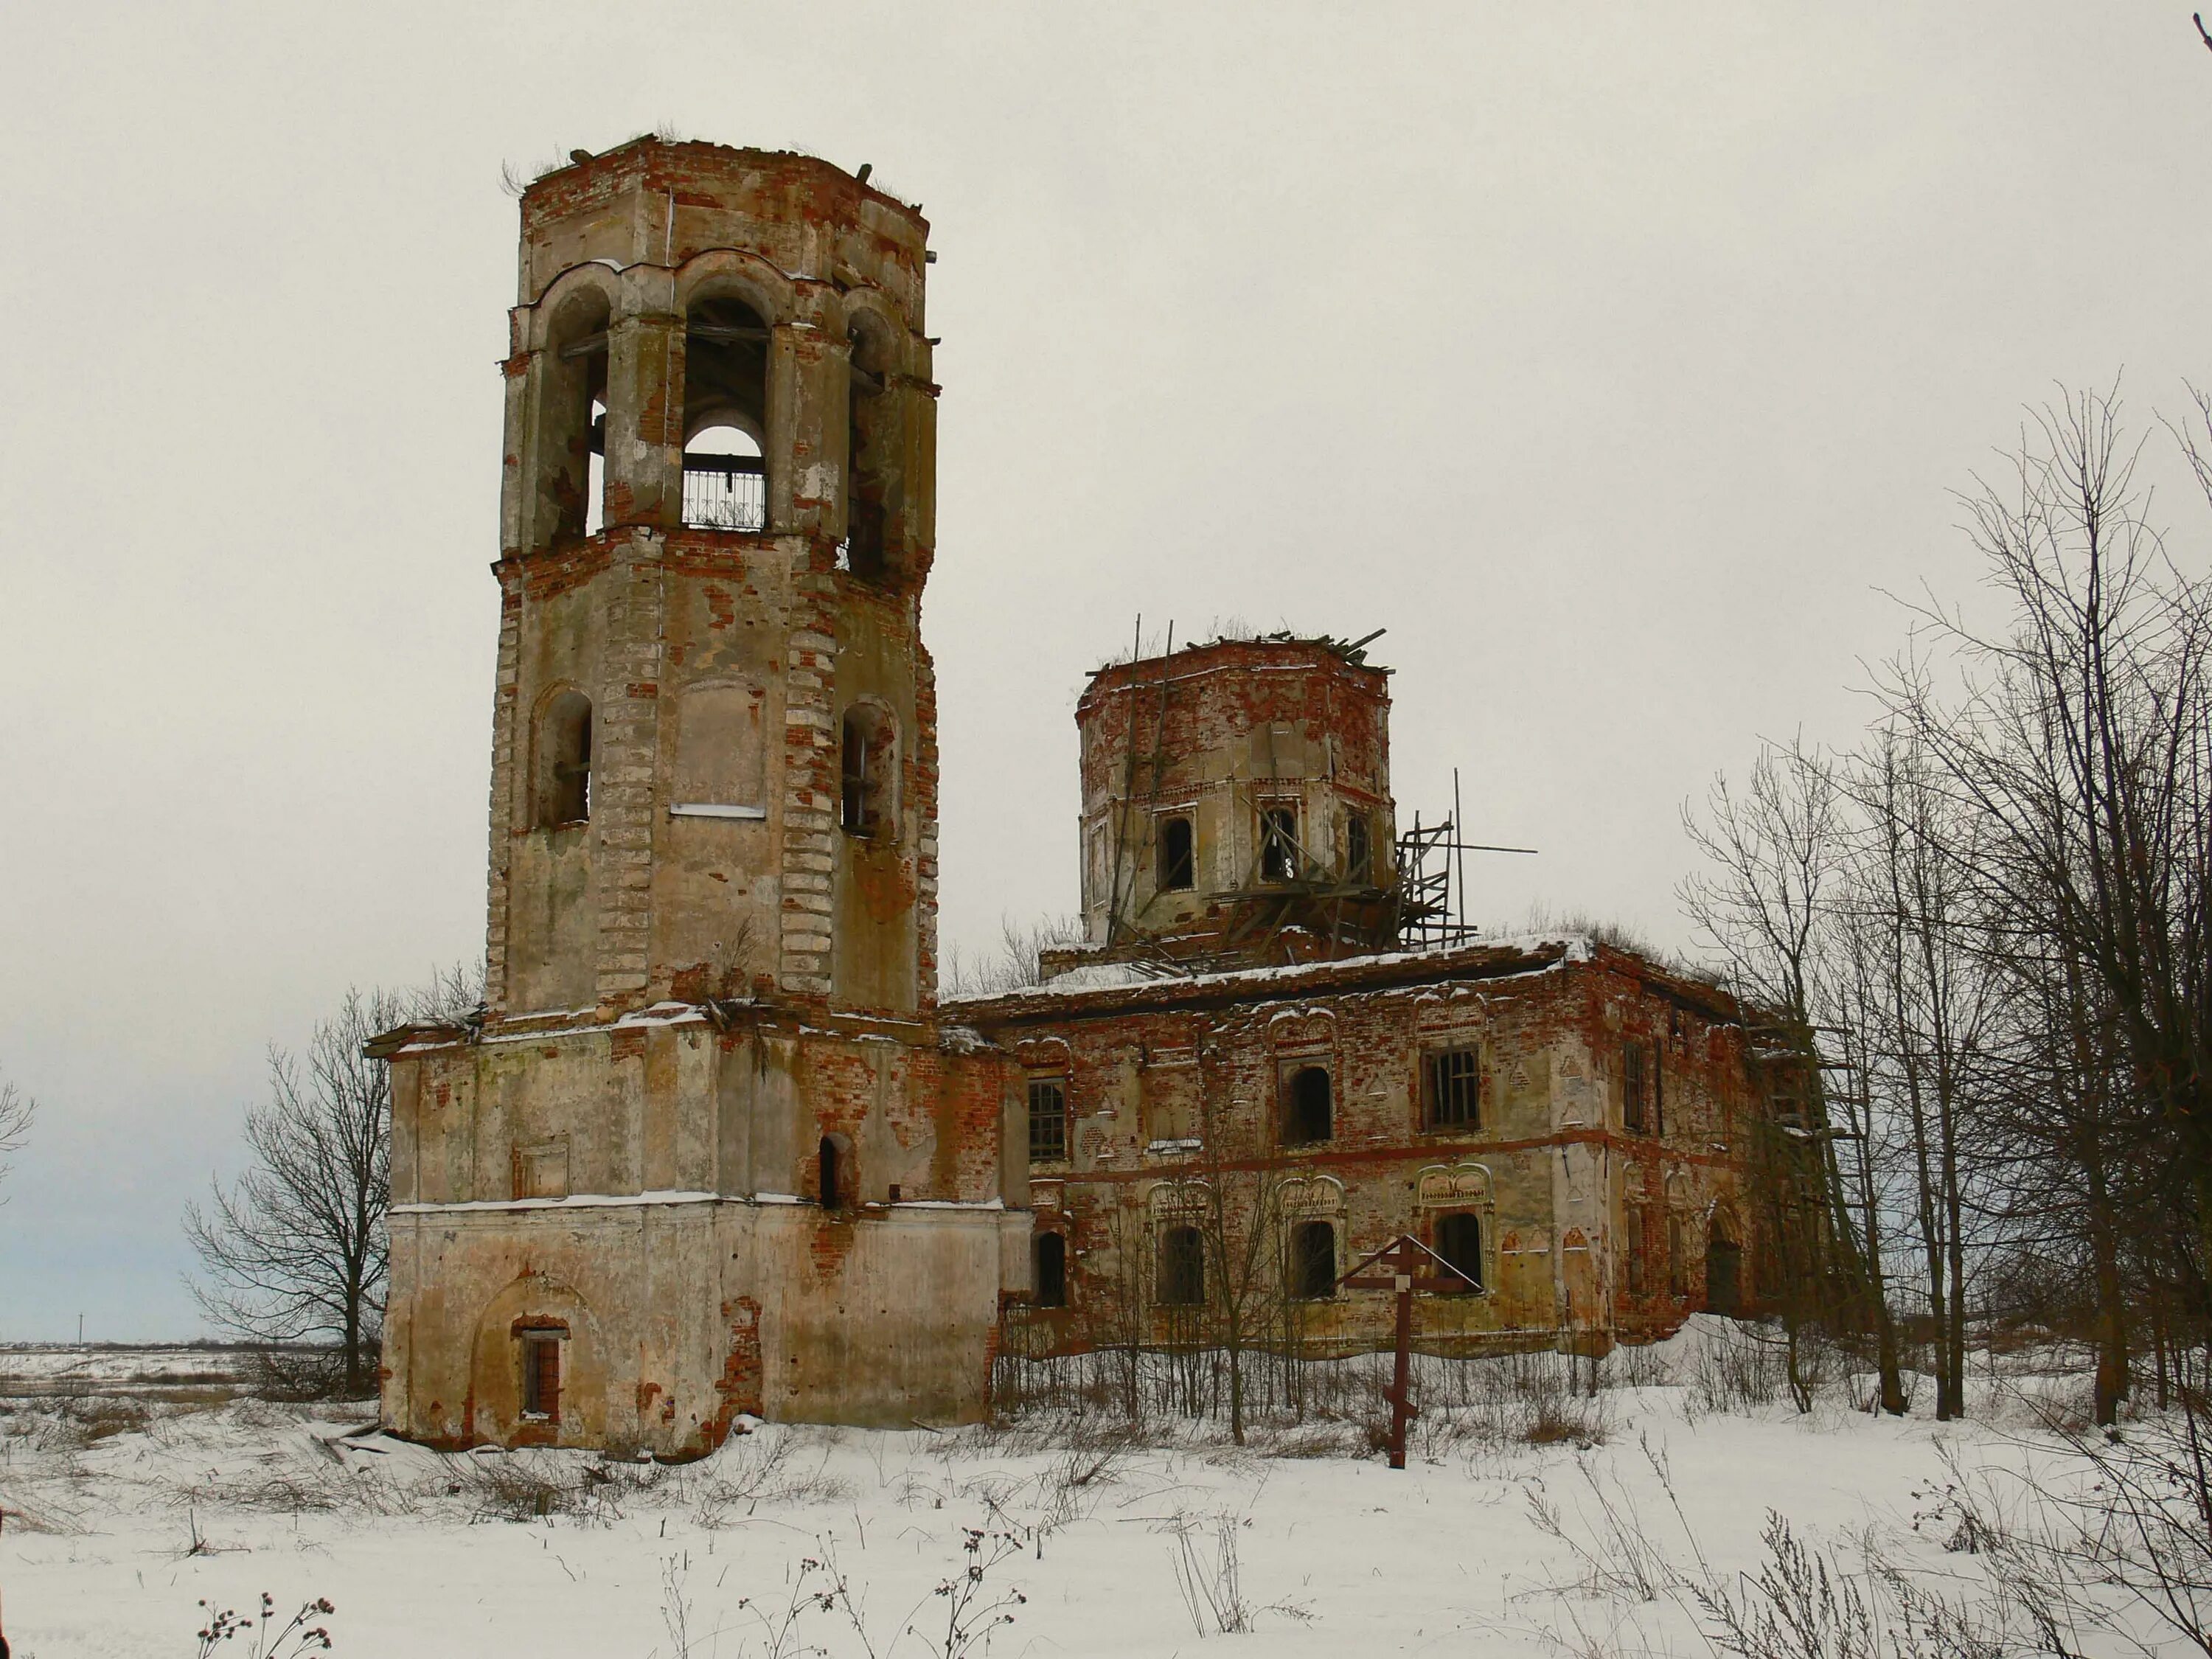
(1404, 1265)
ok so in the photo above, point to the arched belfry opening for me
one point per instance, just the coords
(726, 425)
(724, 477)
(871, 471)
(572, 419)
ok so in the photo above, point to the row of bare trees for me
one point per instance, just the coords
(1984, 929)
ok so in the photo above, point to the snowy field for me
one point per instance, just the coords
(1529, 1522)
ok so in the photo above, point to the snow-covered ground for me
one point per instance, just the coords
(119, 1527)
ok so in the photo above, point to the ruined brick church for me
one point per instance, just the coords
(715, 1145)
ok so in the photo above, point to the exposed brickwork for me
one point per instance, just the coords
(696, 971)
(1177, 1082)
(1216, 737)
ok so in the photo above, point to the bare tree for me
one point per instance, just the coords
(1015, 963)
(18, 1111)
(1241, 1221)
(1778, 852)
(296, 1249)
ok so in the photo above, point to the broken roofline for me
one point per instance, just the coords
(1210, 656)
(1385, 970)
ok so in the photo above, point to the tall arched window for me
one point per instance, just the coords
(1182, 1269)
(572, 420)
(1306, 1107)
(1459, 1241)
(1178, 862)
(1359, 855)
(871, 466)
(1048, 1251)
(1313, 1260)
(565, 761)
(868, 771)
(834, 1173)
(726, 351)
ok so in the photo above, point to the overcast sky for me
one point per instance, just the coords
(1614, 359)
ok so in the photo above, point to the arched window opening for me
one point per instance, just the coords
(1359, 855)
(1048, 1121)
(834, 1173)
(725, 479)
(870, 468)
(1306, 1108)
(1313, 1260)
(565, 761)
(1182, 1269)
(1723, 1270)
(867, 767)
(1278, 844)
(1178, 859)
(726, 351)
(1677, 1257)
(1048, 1251)
(572, 419)
(1459, 1243)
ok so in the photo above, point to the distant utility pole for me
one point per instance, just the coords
(79, 1330)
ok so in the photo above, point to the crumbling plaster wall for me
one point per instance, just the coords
(1548, 1171)
(679, 1314)
(1292, 721)
(645, 1186)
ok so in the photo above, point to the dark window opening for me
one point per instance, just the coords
(565, 761)
(1359, 855)
(1278, 844)
(1047, 1122)
(1459, 1243)
(834, 1175)
(1636, 1235)
(1049, 1253)
(1635, 1089)
(574, 419)
(1182, 1269)
(1723, 1270)
(866, 763)
(1313, 1260)
(541, 1374)
(1454, 1090)
(726, 351)
(871, 474)
(1306, 1114)
(1678, 1258)
(1178, 862)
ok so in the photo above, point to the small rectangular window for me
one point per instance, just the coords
(1048, 1121)
(1178, 859)
(541, 1374)
(1634, 1096)
(1455, 1083)
(1279, 844)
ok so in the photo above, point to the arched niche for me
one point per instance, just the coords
(536, 1307)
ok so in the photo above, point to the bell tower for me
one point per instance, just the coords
(705, 1150)
(714, 752)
